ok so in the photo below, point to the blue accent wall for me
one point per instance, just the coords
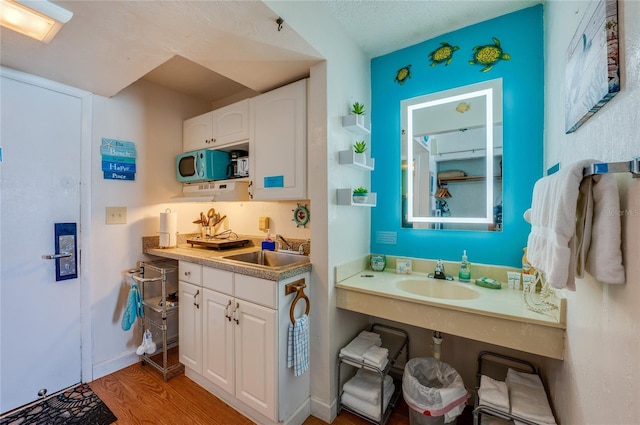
(521, 35)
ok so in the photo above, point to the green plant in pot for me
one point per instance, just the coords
(360, 195)
(359, 149)
(357, 108)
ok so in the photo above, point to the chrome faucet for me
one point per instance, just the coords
(438, 272)
(288, 245)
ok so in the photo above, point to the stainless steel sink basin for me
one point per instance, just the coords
(271, 259)
(437, 289)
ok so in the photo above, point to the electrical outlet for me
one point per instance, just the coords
(116, 215)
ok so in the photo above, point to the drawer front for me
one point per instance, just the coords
(256, 290)
(217, 280)
(189, 272)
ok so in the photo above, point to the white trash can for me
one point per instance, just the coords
(434, 392)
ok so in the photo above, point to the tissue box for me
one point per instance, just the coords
(403, 266)
(268, 245)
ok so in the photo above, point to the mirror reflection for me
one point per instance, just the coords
(452, 159)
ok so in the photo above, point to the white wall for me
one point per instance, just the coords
(151, 117)
(339, 233)
(599, 380)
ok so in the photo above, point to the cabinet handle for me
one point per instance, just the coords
(235, 314)
(195, 298)
(227, 311)
(187, 274)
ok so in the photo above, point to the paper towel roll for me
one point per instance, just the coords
(168, 229)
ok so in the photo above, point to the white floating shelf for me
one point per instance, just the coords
(345, 197)
(356, 124)
(349, 158)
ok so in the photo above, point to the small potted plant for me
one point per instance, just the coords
(359, 149)
(360, 195)
(357, 109)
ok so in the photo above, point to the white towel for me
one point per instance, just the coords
(298, 345)
(550, 246)
(357, 347)
(371, 336)
(528, 397)
(376, 356)
(370, 410)
(493, 393)
(366, 386)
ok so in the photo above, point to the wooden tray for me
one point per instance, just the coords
(219, 243)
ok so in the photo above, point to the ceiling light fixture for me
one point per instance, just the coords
(37, 19)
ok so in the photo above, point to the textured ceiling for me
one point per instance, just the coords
(221, 51)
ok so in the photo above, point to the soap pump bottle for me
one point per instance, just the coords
(464, 274)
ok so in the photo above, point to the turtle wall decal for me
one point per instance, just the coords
(444, 53)
(488, 55)
(403, 74)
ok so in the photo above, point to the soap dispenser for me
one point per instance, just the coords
(464, 274)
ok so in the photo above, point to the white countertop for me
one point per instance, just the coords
(497, 316)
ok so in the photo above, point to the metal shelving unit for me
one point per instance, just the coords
(158, 283)
(396, 341)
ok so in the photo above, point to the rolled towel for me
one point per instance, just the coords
(366, 386)
(493, 393)
(376, 356)
(528, 397)
(371, 336)
(359, 345)
(369, 410)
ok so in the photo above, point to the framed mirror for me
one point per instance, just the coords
(452, 158)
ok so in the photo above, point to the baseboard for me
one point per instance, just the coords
(322, 410)
(114, 364)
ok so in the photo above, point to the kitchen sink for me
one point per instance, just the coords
(271, 259)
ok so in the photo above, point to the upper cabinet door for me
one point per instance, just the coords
(221, 127)
(278, 143)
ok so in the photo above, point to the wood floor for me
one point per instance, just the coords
(138, 395)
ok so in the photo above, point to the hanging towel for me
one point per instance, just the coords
(493, 393)
(528, 397)
(370, 410)
(298, 345)
(575, 226)
(365, 385)
(376, 356)
(133, 309)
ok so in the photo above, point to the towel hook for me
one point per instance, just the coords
(298, 287)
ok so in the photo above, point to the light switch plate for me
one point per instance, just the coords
(116, 215)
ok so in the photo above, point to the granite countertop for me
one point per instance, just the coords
(213, 258)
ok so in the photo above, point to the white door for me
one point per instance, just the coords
(40, 339)
(190, 325)
(217, 331)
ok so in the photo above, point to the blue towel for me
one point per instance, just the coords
(133, 309)
(298, 345)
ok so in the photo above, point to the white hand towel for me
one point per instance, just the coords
(376, 356)
(367, 389)
(371, 336)
(604, 261)
(369, 410)
(551, 244)
(357, 347)
(493, 393)
(528, 397)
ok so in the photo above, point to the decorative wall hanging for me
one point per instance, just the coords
(301, 215)
(403, 74)
(488, 55)
(593, 73)
(118, 159)
(444, 53)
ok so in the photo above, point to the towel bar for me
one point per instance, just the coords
(632, 167)
(297, 287)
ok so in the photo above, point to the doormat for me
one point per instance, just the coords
(78, 405)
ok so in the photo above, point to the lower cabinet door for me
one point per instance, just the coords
(217, 331)
(190, 326)
(255, 357)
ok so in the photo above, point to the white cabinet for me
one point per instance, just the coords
(242, 333)
(278, 143)
(214, 129)
(190, 325)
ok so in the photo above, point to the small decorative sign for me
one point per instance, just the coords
(118, 159)
(274, 182)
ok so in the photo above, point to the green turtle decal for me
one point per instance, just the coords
(403, 74)
(444, 53)
(488, 55)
